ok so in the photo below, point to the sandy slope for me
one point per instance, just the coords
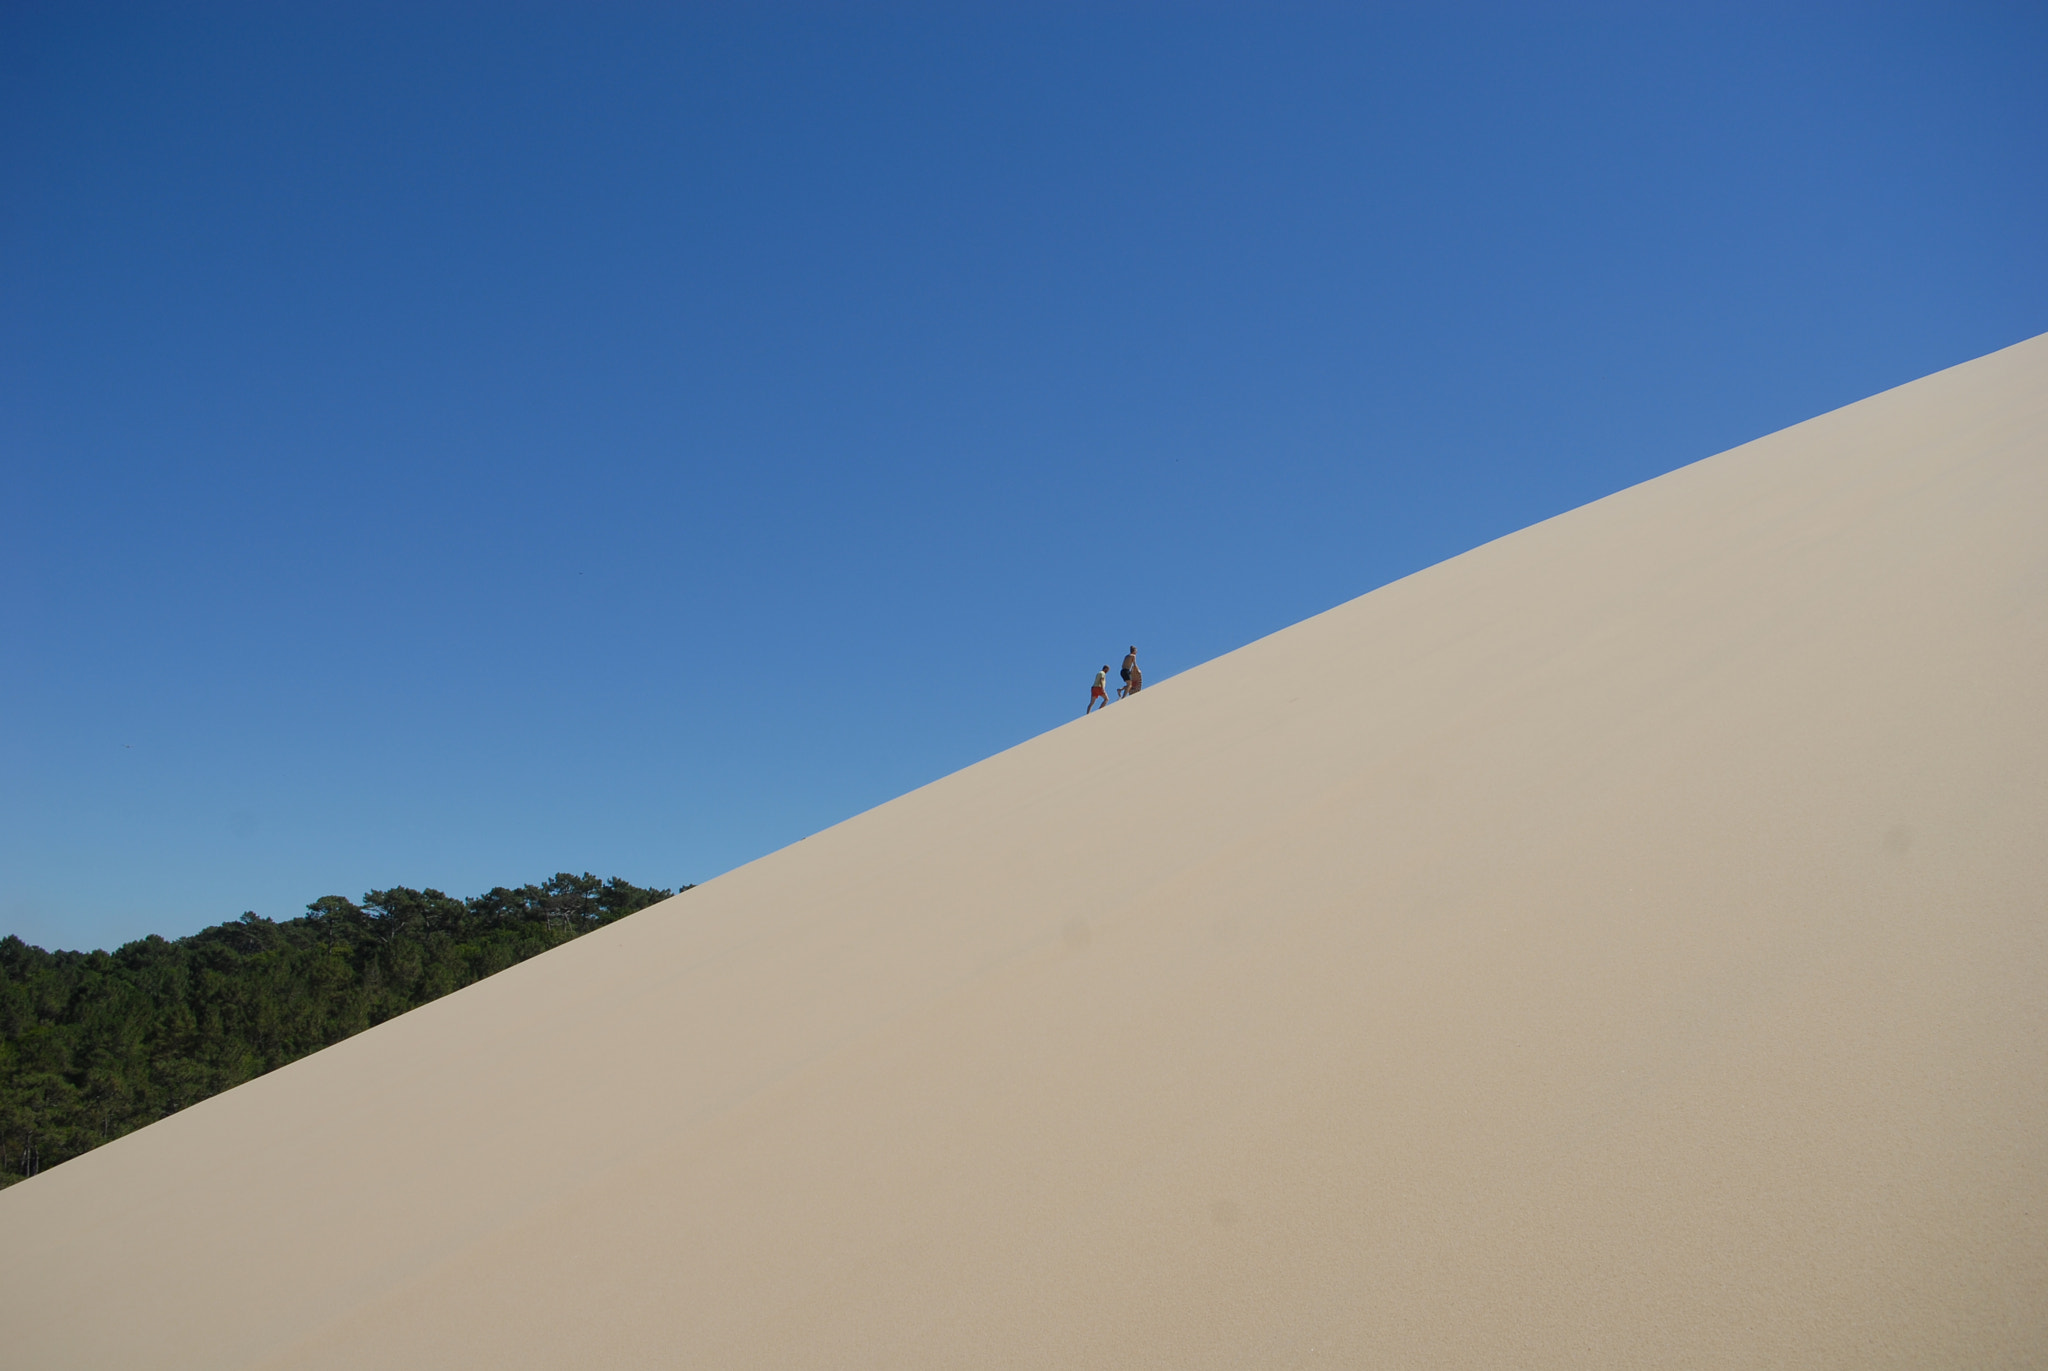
(1623, 945)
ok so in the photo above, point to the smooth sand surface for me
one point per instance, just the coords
(1623, 945)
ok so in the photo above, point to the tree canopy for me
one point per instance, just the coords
(97, 1044)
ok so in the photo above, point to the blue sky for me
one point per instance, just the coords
(447, 445)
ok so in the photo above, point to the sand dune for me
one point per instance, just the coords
(1623, 945)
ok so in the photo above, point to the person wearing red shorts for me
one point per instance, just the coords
(1096, 692)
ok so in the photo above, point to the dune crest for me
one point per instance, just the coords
(1625, 944)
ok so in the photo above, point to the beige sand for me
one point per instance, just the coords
(1623, 945)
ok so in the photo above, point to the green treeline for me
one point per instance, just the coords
(97, 1044)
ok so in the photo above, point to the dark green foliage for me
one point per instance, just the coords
(97, 1044)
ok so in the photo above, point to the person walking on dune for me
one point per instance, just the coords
(1129, 672)
(1096, 691)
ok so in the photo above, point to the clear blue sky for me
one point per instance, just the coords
(442, 446)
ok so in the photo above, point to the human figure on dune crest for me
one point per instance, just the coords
(1129, 673)
(1096, 691)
